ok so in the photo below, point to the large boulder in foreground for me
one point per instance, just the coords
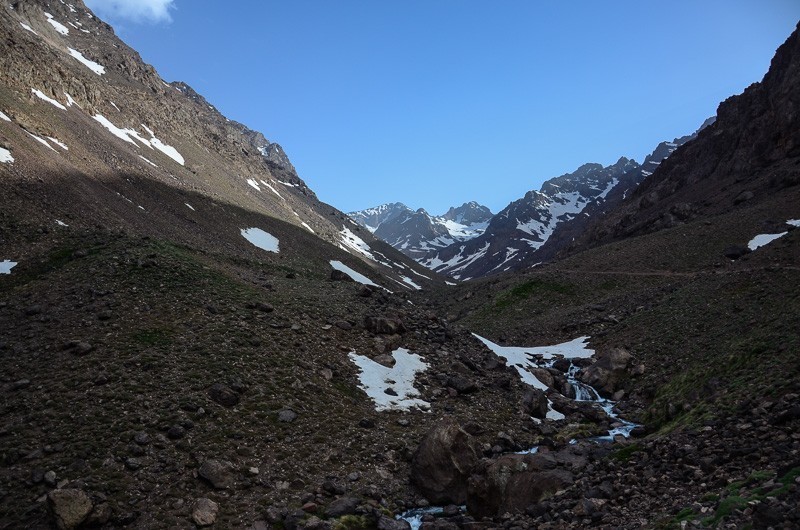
(512, 483)
(443, 463)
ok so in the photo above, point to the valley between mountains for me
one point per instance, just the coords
(191, 338)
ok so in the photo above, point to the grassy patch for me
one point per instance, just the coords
(537, 286)
(153, 337)
(725, 508)
(624, 454)
(352, 522)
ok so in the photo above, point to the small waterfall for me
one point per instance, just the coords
(583, 392)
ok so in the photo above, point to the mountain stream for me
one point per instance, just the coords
(545, 357)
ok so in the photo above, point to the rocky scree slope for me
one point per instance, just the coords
(567, 232)
(416, 233)
(91, 136)
(750, 152)
(714, 342)
(534, 229)
(160, 376)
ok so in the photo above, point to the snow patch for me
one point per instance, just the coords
(122, 134)
(355, 276)
(4, 117)
(273, 190)
(39, 94)
(59, 143)
(410, 282)
(61, 28)
(148, 161)
(166, 149)
(376, 379)
(61, 223)
(28, 28)
(763, 239)
(97, 68)
(307, 227)
(189, 206)
(129, 135)
(261, 239)
(521, 359)
(41, 141)
(5, 156)
(6, 266)
(70, 101)
(353, 242)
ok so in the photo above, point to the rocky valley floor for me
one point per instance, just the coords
(147, 375)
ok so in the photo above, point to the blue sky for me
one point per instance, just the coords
(434, 103)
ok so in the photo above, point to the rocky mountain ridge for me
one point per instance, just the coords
(180, 350)
(415, 233)
(748, 153)
(81, 102)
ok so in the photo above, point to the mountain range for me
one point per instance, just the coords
(191, 338)
(416, 233)
(526, 233)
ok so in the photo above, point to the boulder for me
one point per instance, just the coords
(608, 371)
(735, 252)
(387, 523)
(442, 463)
(69, 507)
(534, 402)
(204, 512)
(342, 506)
(461, 384)
(223, 394)
(339, 276)
(218, 472)
(384, 325)
(512, 483)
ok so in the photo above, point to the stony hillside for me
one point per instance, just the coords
(194, 340)
(749, 153)
(92, 136)
(573, 229)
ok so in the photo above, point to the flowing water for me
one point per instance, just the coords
(583, 392)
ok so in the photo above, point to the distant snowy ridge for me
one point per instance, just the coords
(416, 233)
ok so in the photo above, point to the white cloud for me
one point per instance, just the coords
(153, 11)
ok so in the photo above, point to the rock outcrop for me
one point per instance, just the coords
(442, 463)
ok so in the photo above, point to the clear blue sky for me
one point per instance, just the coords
(438, 102)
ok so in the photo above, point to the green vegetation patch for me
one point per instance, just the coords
(624, 454)
(537, 286)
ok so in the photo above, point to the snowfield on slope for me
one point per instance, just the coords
(353, 242)
(355, 276)
(520, 358)
(5, 156)
(6, 266)
(99, 69)
(764, 239)
(261, 239)
(129, 135)
(377, 379)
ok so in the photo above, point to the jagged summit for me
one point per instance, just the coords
(191, 339)
(417, 232)
(526, 224)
